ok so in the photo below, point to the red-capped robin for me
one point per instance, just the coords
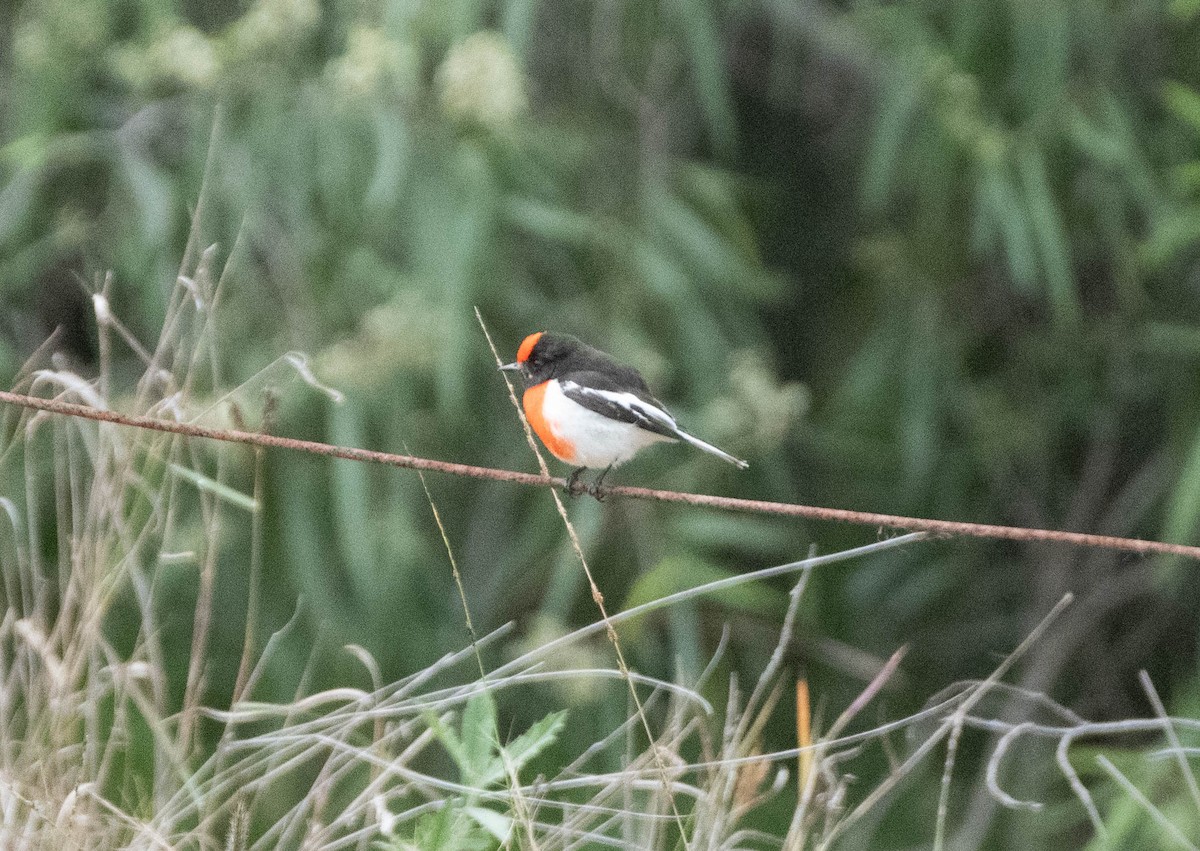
(591, 411)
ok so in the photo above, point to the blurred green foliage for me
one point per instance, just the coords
(971, 229)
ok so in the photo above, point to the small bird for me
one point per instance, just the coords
(591, 411)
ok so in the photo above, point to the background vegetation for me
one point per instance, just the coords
(931, 257)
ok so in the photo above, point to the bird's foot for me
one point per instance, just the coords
(594, 488)
(574, 487)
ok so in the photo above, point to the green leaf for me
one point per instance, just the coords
(153, 195)
(923, 396)
(1049, 234)
(18, 197)
(659, 271)
(450, 741)
(692, 240)
(1186, 177)
(220, 490)
(393, 160)
(1171, 340)
(352, 501)
(551, 222)
(1041, 36)
(451, 828)
(1184, 10)
(1006, 211)
(741, 532)
(1183, 102)
(479, 740)
(697, 21)
(680, 572)
(526, 746)
(27, 153)
(1183, 511)
(1172, 234)
(900, 102)
(498, 825)
(716, 195)
(519, 25)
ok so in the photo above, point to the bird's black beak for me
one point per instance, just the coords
(511, 367)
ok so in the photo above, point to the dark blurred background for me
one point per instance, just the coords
(930, 257)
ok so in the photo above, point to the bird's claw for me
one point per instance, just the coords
(574, 487)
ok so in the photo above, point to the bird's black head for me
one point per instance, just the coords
(544, 355)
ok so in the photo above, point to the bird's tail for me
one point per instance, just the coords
(712, 450)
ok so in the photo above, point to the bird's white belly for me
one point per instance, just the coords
(598, 440)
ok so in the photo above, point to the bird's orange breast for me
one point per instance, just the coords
(534, 401)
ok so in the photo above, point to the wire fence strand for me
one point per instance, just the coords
(724, 503)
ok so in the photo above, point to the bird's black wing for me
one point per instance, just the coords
(619, 401)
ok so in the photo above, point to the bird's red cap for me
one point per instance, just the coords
(527, 346)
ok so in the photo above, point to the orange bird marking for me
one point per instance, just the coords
(563, 450)
(527, 346)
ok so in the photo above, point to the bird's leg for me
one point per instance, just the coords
(575, 487)
(594, 490)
